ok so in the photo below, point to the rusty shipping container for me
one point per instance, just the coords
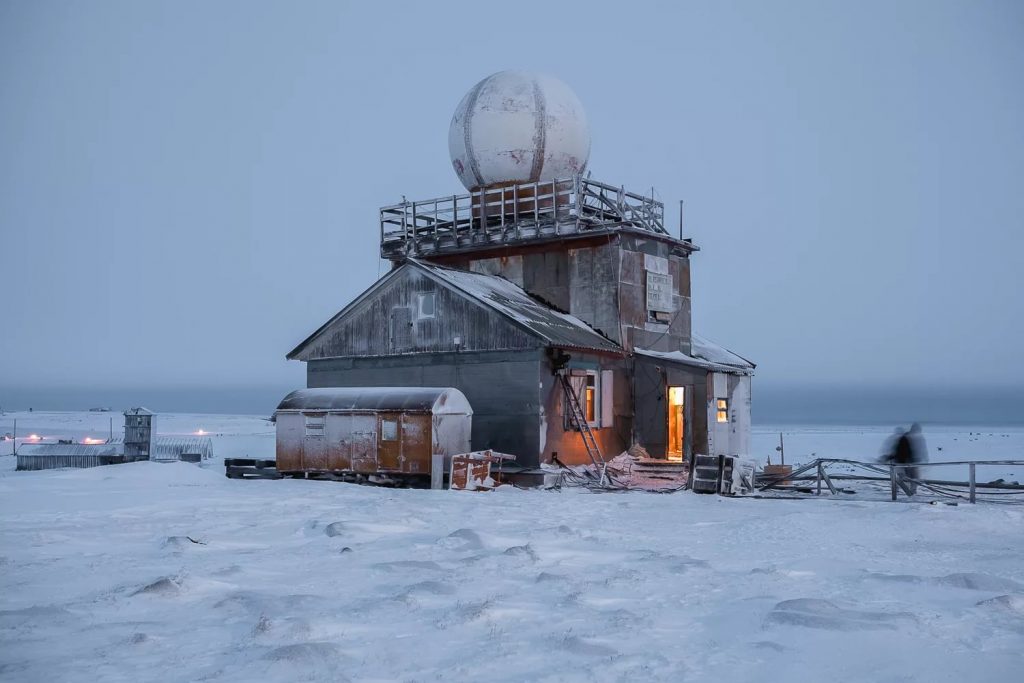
(371, 431)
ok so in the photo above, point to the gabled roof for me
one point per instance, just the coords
(706, 354)
(139, 411)
(511, 301)
(498, 294)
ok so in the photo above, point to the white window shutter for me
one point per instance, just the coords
(607, 414)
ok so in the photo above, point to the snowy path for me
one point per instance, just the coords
(297, 580)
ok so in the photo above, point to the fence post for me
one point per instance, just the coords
(892, 480)
(819, 480)
(972, 466)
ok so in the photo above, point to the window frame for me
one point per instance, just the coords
(722, 410)
(589, 394)
(420, 299)
(314, 426)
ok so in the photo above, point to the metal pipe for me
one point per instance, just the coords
(971, 467)
(892, 480)
(680, 219)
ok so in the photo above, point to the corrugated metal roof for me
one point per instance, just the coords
(705, 354)
(139, 411)
(511, 301)
(165, 447)
(438, 400)
(44, 449)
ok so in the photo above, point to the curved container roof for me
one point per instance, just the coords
(436, 400)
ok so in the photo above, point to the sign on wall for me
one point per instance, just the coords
(659, 292)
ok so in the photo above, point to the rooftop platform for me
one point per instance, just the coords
(516, 215)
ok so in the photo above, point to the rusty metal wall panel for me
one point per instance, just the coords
(290, 432)
(363, 451)
(417, 442)
(369, 329)
(339, 442)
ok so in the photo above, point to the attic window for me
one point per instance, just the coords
(722, 407)
(426, 305)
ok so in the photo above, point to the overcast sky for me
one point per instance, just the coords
(188, 189)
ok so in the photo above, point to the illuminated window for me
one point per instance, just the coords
(315, 425)
(586, 385)
(722, 406)
(590, 399)
(388, 429)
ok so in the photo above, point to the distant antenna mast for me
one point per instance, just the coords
(680, 219)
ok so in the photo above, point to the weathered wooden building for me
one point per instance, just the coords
(523, 290)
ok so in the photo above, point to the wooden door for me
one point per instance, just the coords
(363, 442)
(389, 446)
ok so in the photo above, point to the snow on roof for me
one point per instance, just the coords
(139, 411)
(49, 449)
(705, 354)
(435, 400)
(174, 446)
(511, 301)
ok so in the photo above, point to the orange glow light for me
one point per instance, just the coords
(91, 441)
(201, 432)
(33, 437)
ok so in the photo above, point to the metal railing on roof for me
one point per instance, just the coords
(512, 214)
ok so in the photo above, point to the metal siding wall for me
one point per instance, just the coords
(651, 425)
(546, 275)
(502, 388)
(632, 296)
(290, 432)
(739, 414)
(367, 330)
(593, 287)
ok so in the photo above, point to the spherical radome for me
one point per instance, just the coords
(518, 127)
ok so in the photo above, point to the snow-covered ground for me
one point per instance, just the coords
(171, 572)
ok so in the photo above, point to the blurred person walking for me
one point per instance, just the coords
(907, 449)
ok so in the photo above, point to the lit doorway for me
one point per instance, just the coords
(676, 424)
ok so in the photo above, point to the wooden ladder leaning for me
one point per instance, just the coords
(579, 421)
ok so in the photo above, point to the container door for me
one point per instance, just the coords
(314, 443)
(363, 441)
(416, 443)
(339, 443)
(389, 448)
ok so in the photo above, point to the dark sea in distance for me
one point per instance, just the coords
(772, 404)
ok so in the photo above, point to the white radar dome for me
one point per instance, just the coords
(518, 127)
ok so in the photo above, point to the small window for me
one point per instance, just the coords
(388, 429)
(314, 425)
(426, 305)
(590, 400)
(722, 406)
(586, 385)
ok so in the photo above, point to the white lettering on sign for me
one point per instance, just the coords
(659, 292)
